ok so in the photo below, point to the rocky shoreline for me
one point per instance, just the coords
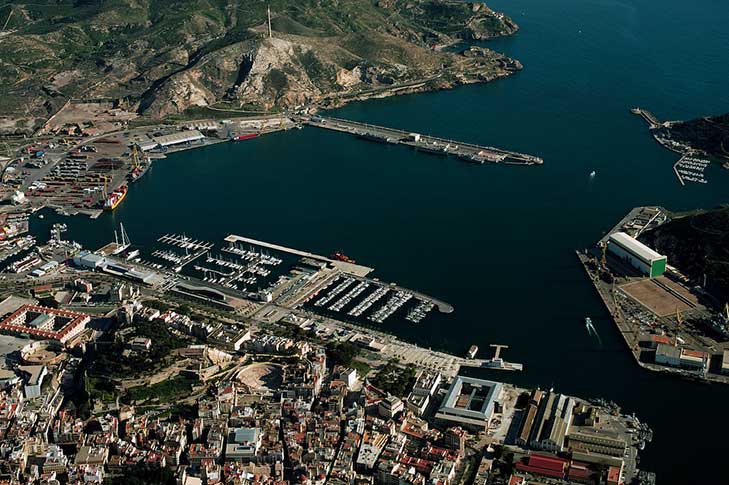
(385, 48)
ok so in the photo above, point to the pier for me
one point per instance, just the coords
(193, 250)
(355, 269)
(649, 117)
(431, 144)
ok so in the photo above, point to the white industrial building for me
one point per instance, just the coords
(89, 260)
(637, 254)
(166, 141)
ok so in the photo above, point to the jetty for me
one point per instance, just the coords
(468, 152)
(355, 269)
(649, 117)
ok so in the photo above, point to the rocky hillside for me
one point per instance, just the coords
(165, 56)
(697, 244)
(709, 134)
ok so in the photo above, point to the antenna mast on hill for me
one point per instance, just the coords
(270, 33)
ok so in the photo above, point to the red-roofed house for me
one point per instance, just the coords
(549, 466)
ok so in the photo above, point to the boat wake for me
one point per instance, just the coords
(591, 330)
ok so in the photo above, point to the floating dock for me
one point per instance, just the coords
(193, 250)
(469, 152)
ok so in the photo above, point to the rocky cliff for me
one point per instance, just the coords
(166, 56)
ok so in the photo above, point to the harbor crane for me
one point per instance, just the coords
(135, 156)
(679, 322)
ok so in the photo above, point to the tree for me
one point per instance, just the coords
(342, 353)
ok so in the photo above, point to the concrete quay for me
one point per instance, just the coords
(439, 146)
(649, 117)
(355, 269)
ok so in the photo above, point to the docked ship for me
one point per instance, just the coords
(140, 168)
(340, 256)
(472, 351)
(246, 136)
(139, 171)
(115, 198)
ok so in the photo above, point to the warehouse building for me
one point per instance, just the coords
(673, 356)
(88, 260)
(637, 254)
(552, 422)
(165, 141)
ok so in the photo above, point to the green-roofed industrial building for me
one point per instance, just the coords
(637, 254)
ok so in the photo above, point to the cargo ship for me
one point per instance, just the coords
(139, 171)
(115, 198)
(340, 256)
(247, 136)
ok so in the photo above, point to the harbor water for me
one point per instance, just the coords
(497, 242)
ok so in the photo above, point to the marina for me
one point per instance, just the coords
(370, 301)
(521, 112)
(192, 250)
(355, 269)
(691, 169)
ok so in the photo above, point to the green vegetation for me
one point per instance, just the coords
(163, 392)
(101, 389)
(697, 245)
(277, 79)
(110, 361)
(395, 379)
(157, 305)
(362, 368)
(170, 54)
(342, 353)
(710, 134)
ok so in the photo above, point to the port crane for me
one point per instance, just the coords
(679, 322)
(107, 179)
(135, 156)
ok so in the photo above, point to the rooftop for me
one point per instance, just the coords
(635, 246)
(471, 398)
